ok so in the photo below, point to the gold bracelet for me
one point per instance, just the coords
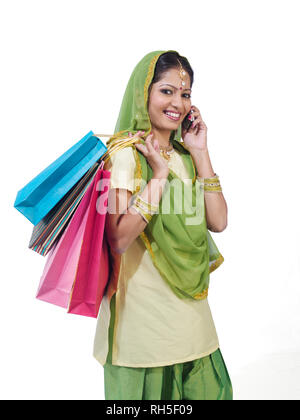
(146, 216)
(145, 209)
(216, 188)
(212, 178)
(148, 205)
(145, 206)
(211, 183)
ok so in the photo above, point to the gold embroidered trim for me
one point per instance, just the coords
(138, 171)
(201, 295)
(114, 351)
(116, 136)
(118, 146)
(216, 263)
(147, 84)
(148, 245)
(195, 175)
(150, 76)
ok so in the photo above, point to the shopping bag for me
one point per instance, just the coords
(42, 193)
(48, 231)
(74, 255)
(93, 265)
(60, 269)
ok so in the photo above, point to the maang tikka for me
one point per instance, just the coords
(182, 73)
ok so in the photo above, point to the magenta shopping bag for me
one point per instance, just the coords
(78, 266)
(60, 269)
(93, 264)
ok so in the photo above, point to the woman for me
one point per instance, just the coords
(155, 334)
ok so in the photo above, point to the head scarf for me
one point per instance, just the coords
(133, 115)
(184, 254)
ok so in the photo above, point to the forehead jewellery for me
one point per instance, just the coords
(182, 73)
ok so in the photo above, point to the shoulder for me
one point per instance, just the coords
(123, 154)
(122, 169)
(121, 158)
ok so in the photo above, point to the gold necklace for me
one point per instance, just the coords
(166, 152)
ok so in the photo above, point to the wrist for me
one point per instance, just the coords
(198, 151)
(160, 175)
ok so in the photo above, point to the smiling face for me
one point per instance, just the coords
(168, 104)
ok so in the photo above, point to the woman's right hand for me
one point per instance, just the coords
(151, 152)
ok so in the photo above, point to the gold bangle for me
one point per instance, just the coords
(211, 183)
(146, 212)
(212, 178)
(150, 205)
(145, 206)
(145, 209)
(209, 180)
(146, 216)
(212, 188)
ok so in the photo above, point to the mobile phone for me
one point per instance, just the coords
(186, 123)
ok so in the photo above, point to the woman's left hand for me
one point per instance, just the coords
(196, 137)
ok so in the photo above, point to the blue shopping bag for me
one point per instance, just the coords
(41, 194)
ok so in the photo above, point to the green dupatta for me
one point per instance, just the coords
(184, 254)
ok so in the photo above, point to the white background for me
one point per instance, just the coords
(64, 68)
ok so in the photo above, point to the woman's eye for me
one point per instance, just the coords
(168, 91)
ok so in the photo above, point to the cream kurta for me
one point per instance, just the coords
(153, 326)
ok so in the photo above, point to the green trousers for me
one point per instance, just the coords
(201, 379)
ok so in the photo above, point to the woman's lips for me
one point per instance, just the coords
(171, 117)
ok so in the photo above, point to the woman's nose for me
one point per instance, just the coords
(177, 102)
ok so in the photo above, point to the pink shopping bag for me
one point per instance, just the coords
(61, 270)
(93, 265)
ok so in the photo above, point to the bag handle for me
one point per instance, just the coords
(116, 146)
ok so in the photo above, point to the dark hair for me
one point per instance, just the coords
(169, 60)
